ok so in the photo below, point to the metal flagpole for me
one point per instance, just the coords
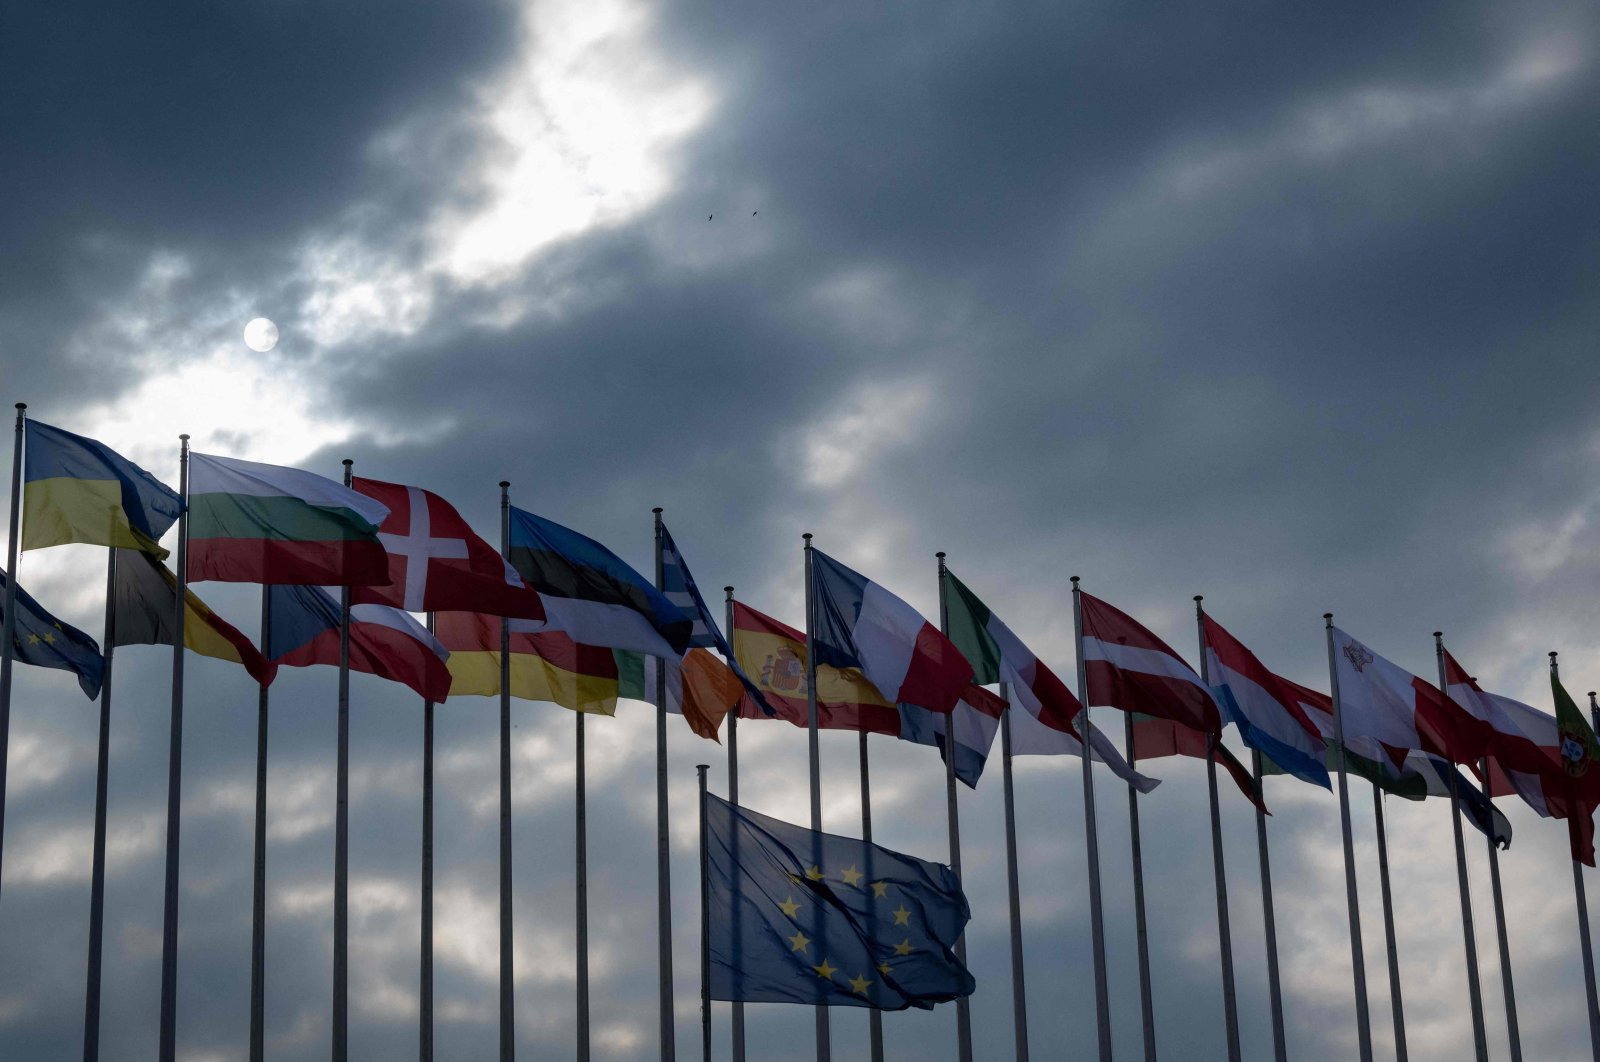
(952, 814)
(1480, 1038)
(1019, 990)
(1396, 1003)
(733, 798)
(1280, 1047)
(341, 837)
(425, 972)
(10, 622)
(705, 926)
(581, 837)
(258, 875)
(1230, 1003)
(1102, 996)
(1147, 1009)
(1357, 959)
(1583, 927)
(169, 912)
(97, 876)
(669, 1049)
(824, 1047)
(874, 1016)
(508, 1029)
(1508, 987)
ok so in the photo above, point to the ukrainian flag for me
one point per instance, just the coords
(79, 490)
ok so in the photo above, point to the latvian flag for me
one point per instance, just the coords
(303, 630)
(1386, 710)
(1269, 711)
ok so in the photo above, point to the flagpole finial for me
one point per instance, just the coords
(807, 536)
(1327, 615)
(22, 405)
(727, 589)
(1074, 579)
(504, 483)
(940, 554)
(657, 510)
(1199, 597)
(1552, 654)
(1438, 634)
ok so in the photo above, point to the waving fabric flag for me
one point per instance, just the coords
(774, 655)
(76, 489)
(1047, 724)
(700, 688)
(805, 917)
(256, 523)
(1387, 710)
(386, 642)
(592, 594)
(44, 641)
(1265, 708)
(437, 562)
(145, 593)
(975, 720)
(1154, 737)
(1128, 667)
(679, 587)
(545, 665)
(859, 624)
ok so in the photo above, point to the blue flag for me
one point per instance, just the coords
(804, 917)
(679, 586)
(45, 641)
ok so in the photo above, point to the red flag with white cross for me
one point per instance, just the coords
(437, 562)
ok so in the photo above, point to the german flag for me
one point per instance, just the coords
(545, 665)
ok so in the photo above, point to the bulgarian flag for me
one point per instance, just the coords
(256, 523)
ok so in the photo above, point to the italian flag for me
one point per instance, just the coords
(256, 523)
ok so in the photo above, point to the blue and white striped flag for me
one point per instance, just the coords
(679, 588)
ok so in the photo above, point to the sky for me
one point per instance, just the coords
(1291, 306)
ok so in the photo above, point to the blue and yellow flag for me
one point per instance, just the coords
(79, 490)
(805, 917)
(45, 641)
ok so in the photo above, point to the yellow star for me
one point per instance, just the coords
(904, 947)
(825, 971)
(902, 917)
(851, 875)
(789, 907)
(859, 984)
(814, 874)
(883, 968)
(799, 941)
(33, 639)
(49, 639)
(880, 890)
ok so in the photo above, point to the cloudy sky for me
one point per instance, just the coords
(1291, 306)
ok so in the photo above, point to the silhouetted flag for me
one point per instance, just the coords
(678, 585)
(44, 641)
(77, 489)
(384, 641)
(145, 592)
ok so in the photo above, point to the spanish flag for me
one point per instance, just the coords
(145, 593)
(79, 490)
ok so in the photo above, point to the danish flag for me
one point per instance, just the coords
(438, 563)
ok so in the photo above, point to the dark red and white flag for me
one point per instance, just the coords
(1128, 667)
(437, 562)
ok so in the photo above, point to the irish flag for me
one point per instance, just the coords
(256, 523)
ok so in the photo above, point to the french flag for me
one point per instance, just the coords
(859, 624)
(1267, 709)
(304, 630)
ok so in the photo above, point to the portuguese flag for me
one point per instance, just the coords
(256, 523)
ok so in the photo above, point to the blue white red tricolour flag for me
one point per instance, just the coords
(304, 630)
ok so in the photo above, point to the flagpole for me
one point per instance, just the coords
(705, 924)
(169, 912)
(1147, 1009)
(1508, 987)
(581, 837)
(874, 1016)
(1280, 1047)
(258, 872)
(669, 1049)
(824, 1047)
(341, 837)
(1230, 1003)
(1019, 990)
(508, 1032)
(1357, 959)
(1396, 1003)
(1102, 996)
(733, 798)
(1583, 926)
(10, 623)
(97, 876)
(1480, 1038)
(963, 1004)
(425, 960)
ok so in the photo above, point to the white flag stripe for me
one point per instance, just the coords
(209, 474)
(886, 634)
(1136, 658)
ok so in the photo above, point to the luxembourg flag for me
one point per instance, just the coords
(859, 624)
(1387, 710)
(1266, 708)
(304, 630)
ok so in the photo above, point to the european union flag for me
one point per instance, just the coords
(804, 917)
(45, 641)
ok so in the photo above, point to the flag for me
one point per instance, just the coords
(1387, 710)
(1048, 722)
(386, 642)
(799, 916)
(145, 592)
(591, 594)
(700, 688)
(859, 624)
(1265, 708)
(76, 489)
(545, 665)
(437, 563)
(975, 719)
(774, 655)
(1155, 737)
(44, 641)
(1580, 753)
(1128, 667)
(255, 523)
(679, 587)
